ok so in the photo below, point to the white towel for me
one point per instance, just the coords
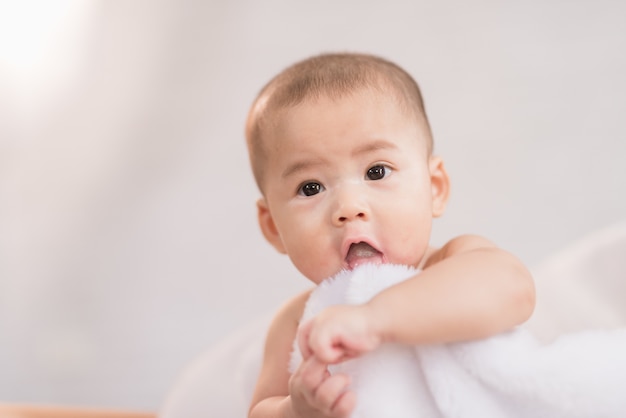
(510, 375)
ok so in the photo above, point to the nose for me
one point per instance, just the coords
(350, 205)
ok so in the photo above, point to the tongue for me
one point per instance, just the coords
(362, 253)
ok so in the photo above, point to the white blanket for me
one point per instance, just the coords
(511, 375)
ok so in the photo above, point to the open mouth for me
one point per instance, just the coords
(362, 253)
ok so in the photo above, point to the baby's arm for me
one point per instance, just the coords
(468, 289)
(310, 392)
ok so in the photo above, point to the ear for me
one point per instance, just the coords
(268, 227)
(440, 185)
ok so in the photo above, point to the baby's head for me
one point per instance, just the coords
(332, 76)
(341, 150)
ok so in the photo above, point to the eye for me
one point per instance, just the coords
(310, 189)
(377, 172)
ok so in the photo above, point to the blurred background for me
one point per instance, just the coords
(128, 237)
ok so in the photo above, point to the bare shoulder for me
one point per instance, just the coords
(460, 244)
(464, 243)
(284, 326)
(274, 376)
(287, 317)
(294, 307)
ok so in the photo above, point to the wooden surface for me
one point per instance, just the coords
(42, 411)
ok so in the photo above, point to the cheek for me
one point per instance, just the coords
(315, 261)
(309, 245)
(297, 228)
(412, 227)
(407, 227)
(411, 246)
(413, 203)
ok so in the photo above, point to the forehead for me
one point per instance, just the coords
(360, 115)
(274, 131)
(334, 134)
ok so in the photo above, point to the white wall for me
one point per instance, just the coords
(128, 241)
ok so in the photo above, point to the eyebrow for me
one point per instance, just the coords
(373, 146)
(366, 148)
(300, 166)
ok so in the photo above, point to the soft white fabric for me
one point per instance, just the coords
(511, 375)
(583, 287)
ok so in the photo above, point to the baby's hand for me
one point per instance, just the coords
(316, 394)
(338, 333)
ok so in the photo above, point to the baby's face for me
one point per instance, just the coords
(348, 182)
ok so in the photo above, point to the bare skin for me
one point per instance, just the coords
(355, 172)
(464, 292)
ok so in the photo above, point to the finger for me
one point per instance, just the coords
(345, 405)
(318, 343)
(330, 390)
(330, 353)
(345, 355)
(312, 375)
(303, 339)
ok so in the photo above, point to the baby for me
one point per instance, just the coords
(341, 150)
